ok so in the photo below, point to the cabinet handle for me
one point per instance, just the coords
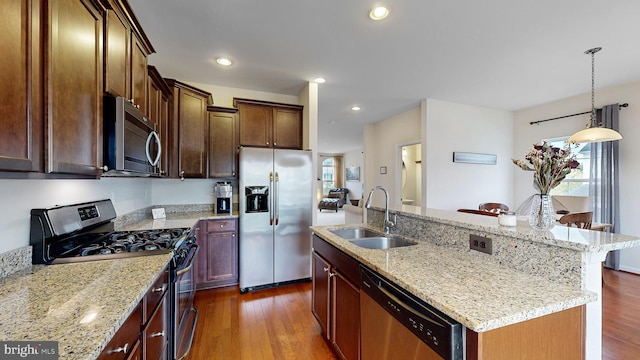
(332, 274)
(326, 269)
(103, 168)
(182, 175)
(274, 144)
(160, 289)
(233, 235)
(122, 349)
(221, 226)
(157, 334)
(267, 143)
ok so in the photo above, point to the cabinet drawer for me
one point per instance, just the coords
(221, 225)
(124, 341)
(156, 333)
(342, 262)
(155, 294)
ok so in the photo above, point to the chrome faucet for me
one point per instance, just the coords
(388, 224)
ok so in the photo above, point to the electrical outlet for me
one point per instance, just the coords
(482, 244)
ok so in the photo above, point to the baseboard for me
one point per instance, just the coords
(630, 269)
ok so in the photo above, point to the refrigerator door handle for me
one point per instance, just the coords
(273, 194)
(276, 198)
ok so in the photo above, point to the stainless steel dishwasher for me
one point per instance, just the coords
(397, 325)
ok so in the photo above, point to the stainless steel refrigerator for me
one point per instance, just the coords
(275, 201)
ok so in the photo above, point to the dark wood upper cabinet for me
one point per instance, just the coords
(126, 52)
(21, 112)
(117, 50)
(223, 142)
(190, 130)
(269, 124)
(73, 87)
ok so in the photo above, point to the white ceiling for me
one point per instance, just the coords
(502, 54)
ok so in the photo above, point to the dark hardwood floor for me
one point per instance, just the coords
(266, 324)
(278, 324)
(620, 316)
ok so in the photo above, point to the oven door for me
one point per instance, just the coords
(185, 314)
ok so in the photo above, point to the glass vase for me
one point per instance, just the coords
(542, 216)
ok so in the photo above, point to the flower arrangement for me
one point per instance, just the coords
(551, 165)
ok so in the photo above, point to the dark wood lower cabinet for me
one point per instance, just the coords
(145, 334)
(217, 263)
(336, 298)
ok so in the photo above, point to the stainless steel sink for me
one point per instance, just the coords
(380, 242)
(355, 233)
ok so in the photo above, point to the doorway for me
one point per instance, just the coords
(411, 174)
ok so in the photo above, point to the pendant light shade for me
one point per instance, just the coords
(595, 132)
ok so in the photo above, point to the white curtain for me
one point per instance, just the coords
(604, 185)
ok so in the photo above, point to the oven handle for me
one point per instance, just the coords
(188, 268)
(193, 330)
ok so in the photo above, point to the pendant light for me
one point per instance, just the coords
(595, 132)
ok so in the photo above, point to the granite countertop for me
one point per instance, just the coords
(173, 220)
(481, 296)
(561, 236)
(80, 305)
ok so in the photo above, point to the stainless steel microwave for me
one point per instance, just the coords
(131, 143)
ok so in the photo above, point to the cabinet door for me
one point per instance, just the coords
(320, 292)
(345, 317)
(156, 333)
(222, 145)
(117, 46)
(217, 263)
(139, 75)
(74, 87)
(255, 125)
(287, 128)
(21, 108)
(192, 120)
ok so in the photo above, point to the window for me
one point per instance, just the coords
(577, 182)
(331, 173)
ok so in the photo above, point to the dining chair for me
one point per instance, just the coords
(580, 220)
(493, 207)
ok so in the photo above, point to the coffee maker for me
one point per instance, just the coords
(222, 193)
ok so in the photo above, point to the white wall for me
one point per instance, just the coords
(223, 96)
(456, 127)
(526, 135)
(18, 197)
(354, 158)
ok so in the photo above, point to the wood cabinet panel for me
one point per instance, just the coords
(223, 143)
(345, 317)
(287, 128)
(217, 263)
(74, 87)
(21, 121)
(268, 124)
(124, 341)
(555, 336)
(255, 125)
(117, 49)
(320, 300)
(191, 134)
(139, 74)
(155, 335)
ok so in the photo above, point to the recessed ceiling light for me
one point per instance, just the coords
(379, 13)
(224, 61)
(332, 122)
(320, 80)
(355, 108)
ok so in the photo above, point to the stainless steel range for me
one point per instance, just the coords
(85, 232)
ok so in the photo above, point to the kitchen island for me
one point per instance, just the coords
(529, 275)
